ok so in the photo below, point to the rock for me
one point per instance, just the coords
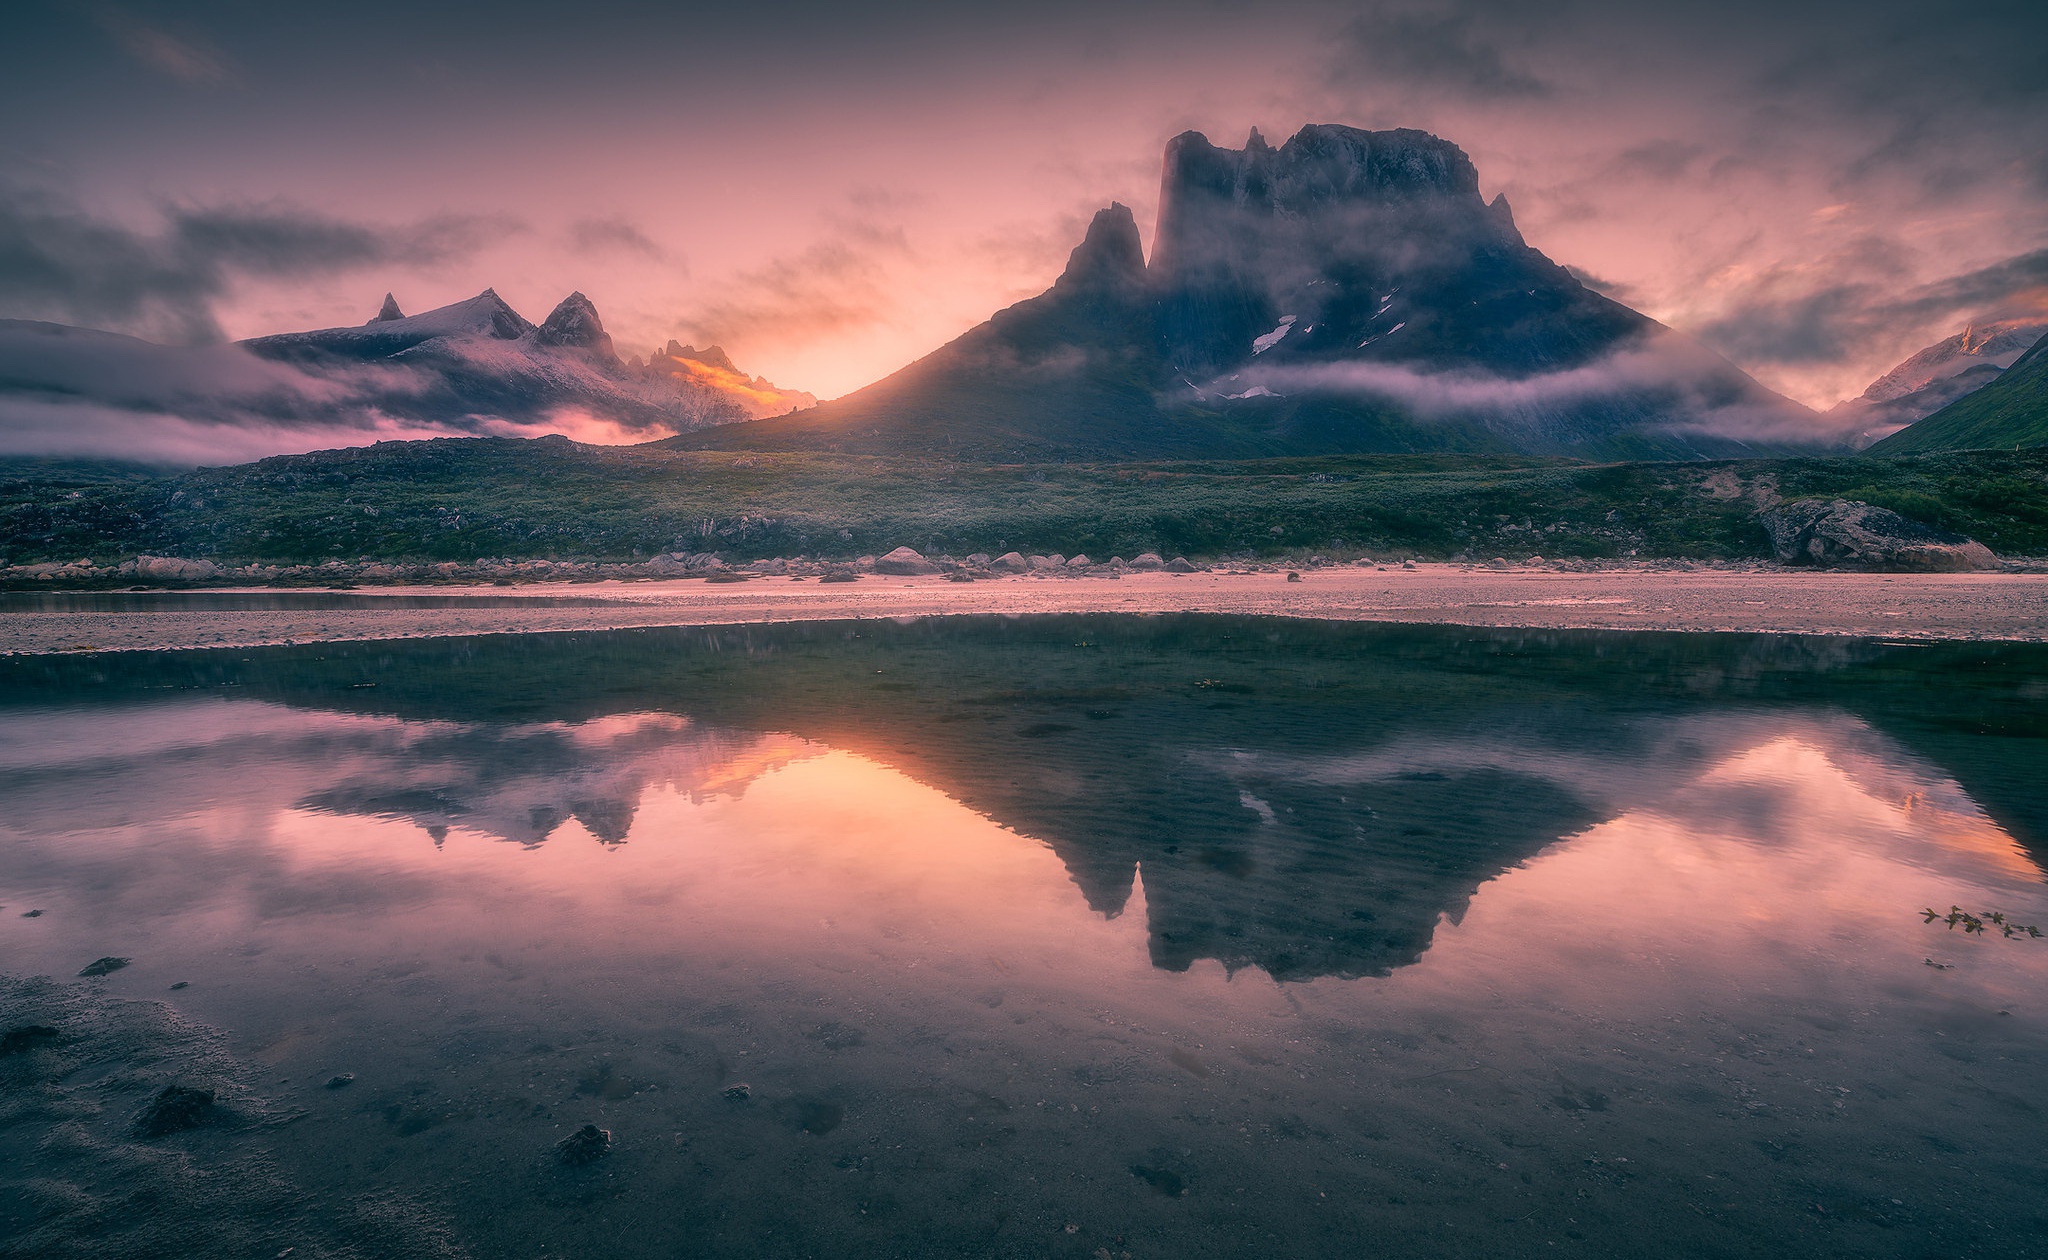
(724, 576)
(738, 1091)
(174, 1109)
(182, 984)
(1407, 564)
(904, 562)
(980, 559)
(1079, 562)
(104, 965)
(840, 573)
(1845, 534)
(1010, 562)
(1292, 576)
(1179, 564)
(1035, 563)
(586, 1145)
(1148, 560)
(1498, 562)
(342, 1081)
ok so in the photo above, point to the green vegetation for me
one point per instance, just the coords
(464, 499)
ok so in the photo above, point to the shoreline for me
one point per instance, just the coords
(2011, 607)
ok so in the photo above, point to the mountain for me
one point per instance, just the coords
(1937, 376)
(1350, 291)
(2011, 411)
(481, 357)
(475, 366)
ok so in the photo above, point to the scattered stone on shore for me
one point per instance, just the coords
(341, 1081)
(102, 966)
(586, 1145)
(1079, 562)
(1848, 534)
(1179, 564)
(31, 914)
(840, 573)
(1010, 562)
(180, 985)
(738, 1091)
(904, 562)
(1146, 561)
(174, 1109)
(1292, 576)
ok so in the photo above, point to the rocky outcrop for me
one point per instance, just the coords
(1845, 534)
(387, 312)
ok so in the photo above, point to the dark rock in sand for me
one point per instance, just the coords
(586, 1145)
(175, 1109)
(723, 576)
(841, 573)
(1846, 534)
(739, 1091)
(28, 1037)
(105, 965)
(31, 914)
(181, 985)
(342, 1081)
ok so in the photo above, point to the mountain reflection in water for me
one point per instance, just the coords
(1307, 799)
(1183, 936)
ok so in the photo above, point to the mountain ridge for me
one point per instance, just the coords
(1349, 291)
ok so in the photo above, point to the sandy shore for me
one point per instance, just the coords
(2002, 606)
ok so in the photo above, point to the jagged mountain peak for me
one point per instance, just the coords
(1110, 255)
(574, 322)
(714, 355)
(387, 312)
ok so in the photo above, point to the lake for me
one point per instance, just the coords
(1081, 936)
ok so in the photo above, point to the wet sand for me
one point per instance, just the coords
(1978, 606)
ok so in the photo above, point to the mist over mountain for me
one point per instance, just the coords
(1348, 291)
(472, 367)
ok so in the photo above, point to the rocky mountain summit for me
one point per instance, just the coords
(1348, 291)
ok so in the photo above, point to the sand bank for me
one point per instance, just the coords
(1990, 606)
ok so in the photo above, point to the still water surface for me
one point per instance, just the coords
(1062, 936)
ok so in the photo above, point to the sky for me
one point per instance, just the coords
(829, 191)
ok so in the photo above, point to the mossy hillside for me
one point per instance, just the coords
(462, 499)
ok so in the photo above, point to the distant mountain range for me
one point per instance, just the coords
(475, 366)
(1931, 379)
(2011, 410)
(1349, 291)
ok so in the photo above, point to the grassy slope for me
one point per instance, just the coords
(463, 499)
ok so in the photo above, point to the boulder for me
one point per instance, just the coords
(905, 562)
(1846, 534)
(1179, 564)
(1041, 562)
(1010, 562)
(979, 559)
(1079, 562)
(1148, 560)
